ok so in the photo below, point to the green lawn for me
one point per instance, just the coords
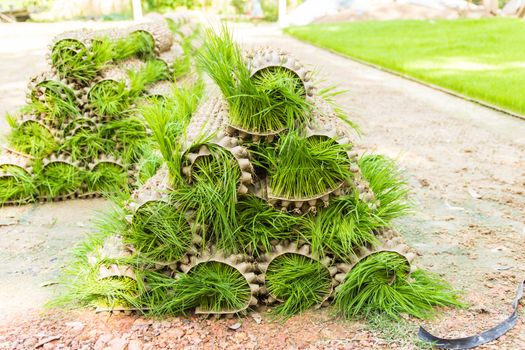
(483, 59)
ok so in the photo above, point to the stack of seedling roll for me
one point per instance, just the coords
(80, 134)
(262, 202)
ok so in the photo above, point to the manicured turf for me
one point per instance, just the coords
(482, 58)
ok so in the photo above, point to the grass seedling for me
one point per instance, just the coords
(167, 120)
(346, 224)
(260, 225)
(112, 221)
(129, 137)
(83, 287)
(299, 282)
(149, 163)
(153, 70)
(17, 186)
(75, 61)
(114, 99)
(80, 282)
(159, 232)
(59, 179)
(388, 184)
(349, 222)
(211, 286)
(107, 178)
(306, 167)
(54, 102)
(381, 283)
(110, 98)
(85, 145)
(31, 138)
(87, 290)
(212, 196)
(138, 44)
(271, 100)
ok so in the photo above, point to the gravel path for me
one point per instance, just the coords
(466, 165)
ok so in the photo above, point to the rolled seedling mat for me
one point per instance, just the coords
(325, 122)
(209, 124)
(151, 195)
(82, 123)
(261, 60)
(32, 138)
(267, 58)
(81, 41)
(300, 204)
(75, 181)
(112, 77)
(11, 166)
(126, 174)
(160, 89)
(293, 248)
(158, 30)
(112, 249)
(79, 127)
(209, 117)
(387, 244)
(230, 144)
(150, 222)
(155, 189)
(54, 131)
(305, 204)
(241, 264)
(310, 204)
(172, 56)
(46, 86)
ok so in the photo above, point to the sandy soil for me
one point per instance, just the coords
(465, 163)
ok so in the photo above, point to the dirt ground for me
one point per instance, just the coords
(465, 163)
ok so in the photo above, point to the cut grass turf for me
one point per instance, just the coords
(479, 58)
